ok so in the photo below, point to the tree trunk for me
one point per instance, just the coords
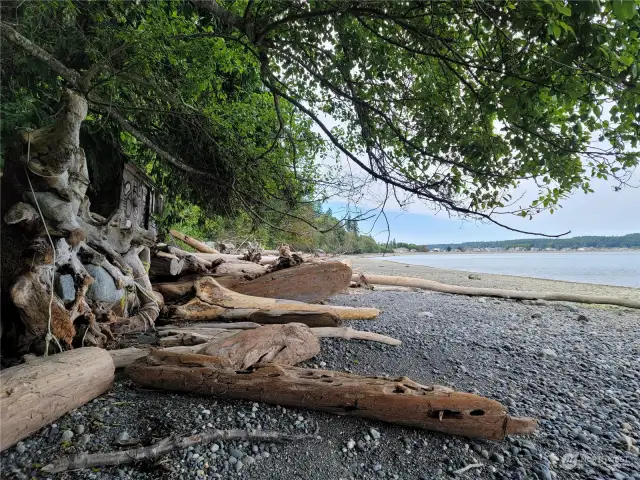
(399, 401)
(36, 393)
(493, 292)
(212, 301)
(78, 266)
(310, 283)
(192, 242)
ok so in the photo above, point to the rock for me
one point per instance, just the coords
(249, 460)
(103, 288)
(20, 448)
(569, 461)
(79, 429)
(351, 443)
(484, 454)
(510, 402)
(206, 412)
(265, 454)
(542, 471)
(239, 465)
(361, 445)
(619, 476)
(67, 435)
(496, 457)
(65, 288)
(482, 300)
(84, 440)
(596, 430)
(425, 314)
(553, 458)
(476, 448)
(234, 452)
(582, 318)
(377, 467)
(582, 437)
(215, 447)
(473, 276)
(374, 433)
(548, 353)
(123, 437)
(536, 315)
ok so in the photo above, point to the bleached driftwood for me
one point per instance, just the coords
(399, 401)
(494, 292)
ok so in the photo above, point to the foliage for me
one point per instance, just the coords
(455, 103)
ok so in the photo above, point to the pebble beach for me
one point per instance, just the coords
(576, 368)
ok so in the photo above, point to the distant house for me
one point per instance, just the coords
(400, 250)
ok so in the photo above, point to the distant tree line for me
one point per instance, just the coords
(627, 241)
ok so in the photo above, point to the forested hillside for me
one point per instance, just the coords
(627, 241)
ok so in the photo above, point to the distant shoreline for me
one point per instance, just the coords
(380, 266)
(467, 252)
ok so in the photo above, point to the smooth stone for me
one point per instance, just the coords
(350, 444)
(85, 439)
(20, 448)
(496, 457)
(548, 353)
(79, 429)
(65, 288)
(103, 288)
(234, 452)
(536, 315)
(239, 465)
(377, 467)
(374, 433)
(67, 435)
(123, 436)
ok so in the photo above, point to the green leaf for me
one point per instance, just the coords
(563, 9)
(557, 31)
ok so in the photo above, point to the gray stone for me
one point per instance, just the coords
(65, 288)
(67, 435)
(619, 476)
(496, 457)
(266, 454)
(215, 447)
(484, 454)
(103, 288)
(20, 448)
(536, 315)
(377, 467)
(234, 452)
(79, 429)
(476, 448)
(425, 314)
(351, 443)
(542, 472)
(548, 353)
(361, 445)
(123, 437)
(239, 465)
(122, 473)
(482, 300)
(249, 460)
(596, 430)
(374, 433)
(474, 276)
(233, 460)
(582, 318)
(84, 440)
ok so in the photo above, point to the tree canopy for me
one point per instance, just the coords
(453, 102)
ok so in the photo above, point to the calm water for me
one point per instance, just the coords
(608, 268)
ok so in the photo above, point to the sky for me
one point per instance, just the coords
(604, 212)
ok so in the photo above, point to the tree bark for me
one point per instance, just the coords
(494, 292)
(193, 242)
(310, 319)
(36, 393)
(400, 401)
(212, 301)
(126, 356)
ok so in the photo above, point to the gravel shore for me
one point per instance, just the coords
(576, 369)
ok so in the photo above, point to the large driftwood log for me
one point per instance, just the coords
(164, 446)
(311, 283)
(399, 401)
(281, 344)
(126, 356)
(494, 292)
(311, 319)
(36, 393)
(165, 265)
(192, 242)
(349, 333)
(212, 301)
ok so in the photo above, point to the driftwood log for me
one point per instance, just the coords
(494, 292)
(164, 446)
(165, 265)
(310, 283)
(311, 319)
(201, 333)
(400, 401)
(38, 392)
(212, 301)
(282, 344)
(126, 356)
(192, 242)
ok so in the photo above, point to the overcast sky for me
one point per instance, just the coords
(604, 212)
